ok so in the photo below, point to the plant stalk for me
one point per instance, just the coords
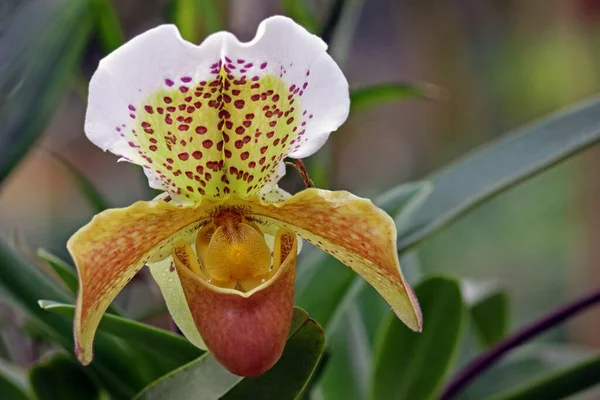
(480, 364)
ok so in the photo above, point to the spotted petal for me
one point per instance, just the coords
(355, 232)
(220, 117)
(114, 246)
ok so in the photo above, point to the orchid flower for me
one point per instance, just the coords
(211, 126)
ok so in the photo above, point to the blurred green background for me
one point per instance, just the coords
(495, 64)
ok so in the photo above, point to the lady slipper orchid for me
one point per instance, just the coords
(211, 126)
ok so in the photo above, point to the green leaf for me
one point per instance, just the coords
(185, 15)
(13, 382)
(87, 189)
(502, 164)
(347, 371)
(205, 378)
(61, 377)
(40, 47)
(173, 347)
(67, 275)
(489, 311)
(559, 385)
(340, 27)
(299, 11)
(376, 95)
(23, 284)
(210, 15)
(65, 272)
(528, 363)
(411, 365)
(108, 27)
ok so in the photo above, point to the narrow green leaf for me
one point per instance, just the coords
(299, 11)
(348, 367)
(489, 313)
(411, 365)
(376, 95)
(185, 15)
(559, 385)
(23, 284)
(13, 382)
(61, 377)
(340, 27)
(210, 15)
(108, 27)
(501, 165)
(527, 364)
(62, 269)
(39, 48)
(174, 347)
(205, 378)
(87, 188)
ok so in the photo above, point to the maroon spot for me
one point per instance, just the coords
(153, 148)
(290, 120)
(235, 92)
(201, 130)
(272, 123)
(197, 154)
(244, 156)
(167, 99)
(239, 104)
(183, 127)
(247, 123)
(239, 130)
(227, 153)
(263, 149)
(220, 145)
(169, 82)
(239, 144)
(183, 156)
(169, 160)
(189, 174)
(148, 109)
(183, 89)
(251, 164)
(276, 142)
(186, 79)
(270, 134)
(197, 104)
(255, 97)
(207, 144)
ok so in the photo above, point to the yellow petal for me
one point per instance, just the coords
(355, 232)
(114, 246)
(245, 331)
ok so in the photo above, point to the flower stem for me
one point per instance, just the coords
(480, 364)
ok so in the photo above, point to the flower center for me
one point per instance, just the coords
(230, 253)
